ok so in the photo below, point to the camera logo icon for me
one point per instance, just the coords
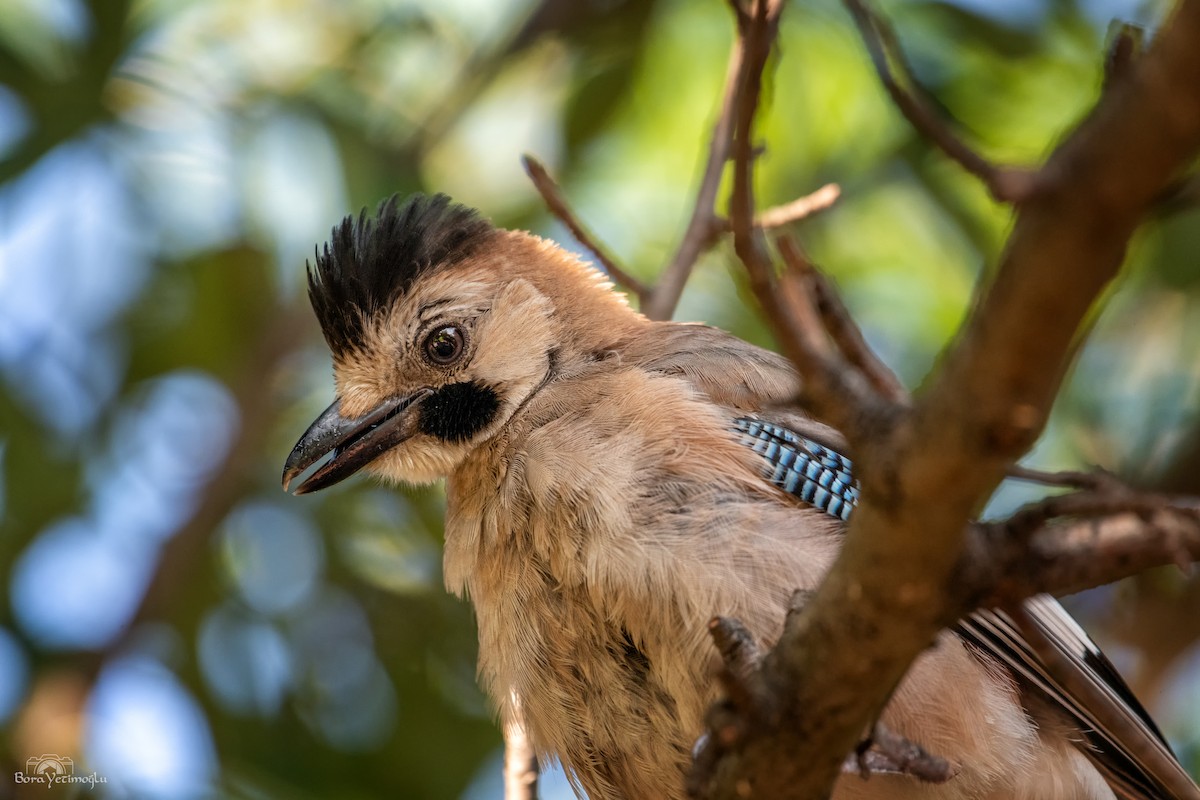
(49, 765)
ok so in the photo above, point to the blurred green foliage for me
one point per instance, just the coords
(166, 167)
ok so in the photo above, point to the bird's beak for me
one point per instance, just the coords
(354, 443)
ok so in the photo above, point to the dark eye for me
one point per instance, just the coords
(445, 345)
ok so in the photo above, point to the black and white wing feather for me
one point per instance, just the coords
(824, 479)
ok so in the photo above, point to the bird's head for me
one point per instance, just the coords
(440, 326)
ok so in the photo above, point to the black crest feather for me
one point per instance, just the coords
(369, 262)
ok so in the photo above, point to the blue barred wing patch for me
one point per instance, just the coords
(821, 477)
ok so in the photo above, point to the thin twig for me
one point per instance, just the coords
(520, 764)
(888, 753)
(736, 645)
(659, 300)
(796, 292)
(1067, 479)
(1122, 51)
(704, 224)
(800, 208)
(1180, 195)
(798, 601)
(794, 211)
(1090, 504)
(757, 31)
(835, 393)
(1006, 184)
(553, 196)
(840, 326)
(741, 657)
(758, 34)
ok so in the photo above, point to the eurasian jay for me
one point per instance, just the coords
(614, 482)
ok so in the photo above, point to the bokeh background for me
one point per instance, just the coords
(174, 622)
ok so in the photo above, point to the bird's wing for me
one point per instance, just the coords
(1124, 743)
(729, 372)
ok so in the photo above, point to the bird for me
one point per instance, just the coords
(614, 482)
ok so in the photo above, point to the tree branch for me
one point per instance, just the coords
(1067, 556)
(888, 753)
(520, 764)
(703, 226)
(552, 195)
(1006, 184)
(658, 301)
(1068, 479)
(1182, 195)
(798, 209)
(834, 392)
(925, 469)
(840, 326)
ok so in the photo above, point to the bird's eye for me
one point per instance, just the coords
(445, 345)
